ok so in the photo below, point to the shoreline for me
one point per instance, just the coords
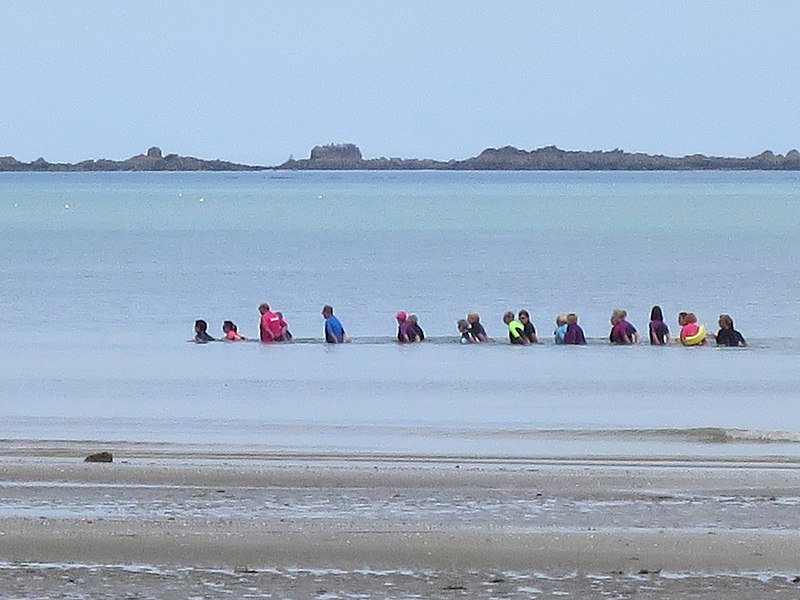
(395, 527)
(343, 157)
(402, 512)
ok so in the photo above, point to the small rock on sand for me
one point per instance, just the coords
(100, 457)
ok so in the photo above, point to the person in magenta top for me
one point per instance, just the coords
(270, 327)
(690, 328)
(404, 332)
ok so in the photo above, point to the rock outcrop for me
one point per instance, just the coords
(339, 157)
(549, 158)
(153, 160)
(99, 457)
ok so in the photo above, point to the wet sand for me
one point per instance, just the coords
(379, 526)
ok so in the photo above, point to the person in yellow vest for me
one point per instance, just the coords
(516, 330)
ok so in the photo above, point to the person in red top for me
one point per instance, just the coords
(271, 326)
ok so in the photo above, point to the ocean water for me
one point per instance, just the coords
(104, 275)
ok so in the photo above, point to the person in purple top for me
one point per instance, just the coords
(404, 332)
(574, 334)
(622, 332)
(659, 332)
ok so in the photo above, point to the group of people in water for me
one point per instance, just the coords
(273, 328)
(567, 331)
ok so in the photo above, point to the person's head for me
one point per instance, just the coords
(228, 326)
(412, 319)
(200, 326)
(690, 318)
(572, 319)
(617, 315)
(263, 307)
(401, 316)
(656, 314)
(561, 319)
(462, 325)
(473, 317)
(523, 316)
(327, 311)
(725, 322)
(508, 316)
(682, 318)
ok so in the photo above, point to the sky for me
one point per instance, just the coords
(258, 81)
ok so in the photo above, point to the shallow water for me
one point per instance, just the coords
(26, 580)
(105, 274)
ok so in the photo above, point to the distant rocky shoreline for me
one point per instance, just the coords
(153, 160)
(550, 158)
(340, 157)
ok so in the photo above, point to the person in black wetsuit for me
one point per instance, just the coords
(524, 317)
(727, 335)
(201, 332)
(475, 328)
(415, 332)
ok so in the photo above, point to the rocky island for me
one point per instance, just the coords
(153, 160)
(549, 158)
(340, 157)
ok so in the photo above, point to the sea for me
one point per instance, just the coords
(104, 274)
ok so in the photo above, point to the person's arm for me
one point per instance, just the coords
(742, 341)
(636, 338)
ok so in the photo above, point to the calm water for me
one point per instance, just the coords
(104, 275)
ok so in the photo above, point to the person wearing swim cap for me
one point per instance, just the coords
(403, 334)
(515, 329)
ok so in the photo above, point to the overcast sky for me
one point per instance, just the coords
(257, 81)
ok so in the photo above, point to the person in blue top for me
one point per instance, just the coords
(334, 332)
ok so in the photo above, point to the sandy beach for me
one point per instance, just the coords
(162, 518)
